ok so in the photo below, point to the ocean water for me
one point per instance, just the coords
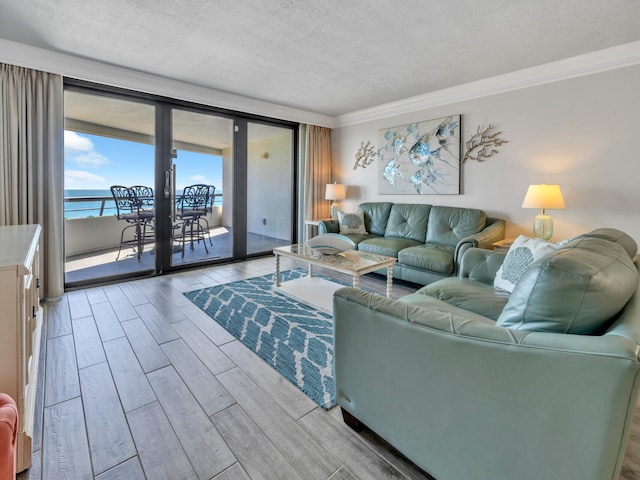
(91, 208)
(88, 208)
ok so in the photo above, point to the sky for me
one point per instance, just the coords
(92, 162)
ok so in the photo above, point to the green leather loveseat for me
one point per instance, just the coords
(427, 240)
(470, 382)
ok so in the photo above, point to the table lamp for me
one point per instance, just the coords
(334, 191)
(544, 197)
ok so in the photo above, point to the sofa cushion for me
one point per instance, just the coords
(432, 257)
(578, 289)
(8, 435)
(386, 246)
(521, 255)
(426, 301)
(616, 236)
(449, 225)
(611, 234)
(351, 223)
(469, 295)
(356, 238)
(376, 215)
(408, 221)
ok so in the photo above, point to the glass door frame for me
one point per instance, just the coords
(163, 106)
(88, 88)
(240, 171)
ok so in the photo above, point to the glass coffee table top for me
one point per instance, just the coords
(350, 261)
(315, 291)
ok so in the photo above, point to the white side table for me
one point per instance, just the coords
(503, 245)
(307, 227)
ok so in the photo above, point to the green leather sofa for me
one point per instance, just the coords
(438, 376)
(427, 240)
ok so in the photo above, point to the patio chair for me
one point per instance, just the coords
(130, 209)
(193, 205)
(144, 195)
(208, 210)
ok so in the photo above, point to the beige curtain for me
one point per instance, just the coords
(317, 171)
(31, 162)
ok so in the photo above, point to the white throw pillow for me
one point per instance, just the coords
(351, 222)
(522, 253)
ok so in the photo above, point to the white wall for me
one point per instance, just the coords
(268, 187)
(582, 133)
(269, 194)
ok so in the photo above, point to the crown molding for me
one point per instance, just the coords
(587, 64)
(113, 75)
(106, 74)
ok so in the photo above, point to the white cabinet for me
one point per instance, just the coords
(20, 327)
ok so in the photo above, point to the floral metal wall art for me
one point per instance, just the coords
(482, 144)
(365, 155)
(420, 158)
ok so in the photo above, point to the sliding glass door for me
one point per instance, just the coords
(108, 142)
(153, 186)
(201, 185)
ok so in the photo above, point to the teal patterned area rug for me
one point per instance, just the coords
(294, 338)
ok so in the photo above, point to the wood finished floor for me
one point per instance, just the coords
(139, 383)
(136, 382)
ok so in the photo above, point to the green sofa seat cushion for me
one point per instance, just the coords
(360, 237)
(433, 303)
(388, 246)
(469, 295)
(432, 257)
(579, 289)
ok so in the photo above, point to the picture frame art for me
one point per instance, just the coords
(420, 158)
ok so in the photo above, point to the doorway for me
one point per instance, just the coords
(200, 187)
(238, 169)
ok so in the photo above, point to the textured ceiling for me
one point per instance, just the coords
(330, 56)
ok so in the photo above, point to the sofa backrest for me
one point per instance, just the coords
(408, 220)
(449, 225)
(376, 215)
(616, 236)
(578, 289)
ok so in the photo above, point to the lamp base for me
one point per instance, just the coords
(543, 226)
(334, 210)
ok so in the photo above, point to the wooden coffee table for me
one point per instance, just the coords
(318, 292)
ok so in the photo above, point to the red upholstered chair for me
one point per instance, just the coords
(8, 432)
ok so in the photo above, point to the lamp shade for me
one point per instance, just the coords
(335, 191)
(544, 197)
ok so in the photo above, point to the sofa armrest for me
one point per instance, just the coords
(328, 226)
(492, 232)
(480, 264)
(8, 432)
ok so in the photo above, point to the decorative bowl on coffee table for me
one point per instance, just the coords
(330, 243)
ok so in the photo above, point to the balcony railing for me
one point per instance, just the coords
(106, 205)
